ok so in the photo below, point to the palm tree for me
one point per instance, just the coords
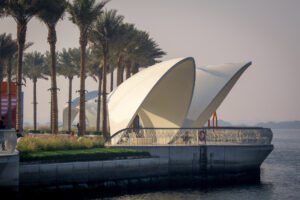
(2, 3)
(34, 69)
(48, 63)
(9, 70)
(22, 12)
(96, 70)
(2, 75)
(50, 11)
(111, 69)
(143, 51)
(125, 39)
(8, 48)
(147, 53)
(103, 36)
(83, 14)
(69, 62)
(8, 51)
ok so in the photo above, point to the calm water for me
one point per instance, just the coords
(280, 177)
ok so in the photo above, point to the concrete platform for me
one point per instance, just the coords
(9, 171)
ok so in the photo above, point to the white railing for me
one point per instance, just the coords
(193, 136)
(8, 141)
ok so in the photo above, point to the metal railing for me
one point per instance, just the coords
(192, 136)
(8, 141)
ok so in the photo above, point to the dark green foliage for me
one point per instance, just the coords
(35, 66)
(81, 155)
(50, 11)
(69, 62)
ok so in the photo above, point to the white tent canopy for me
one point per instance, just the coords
(170, 94)
(160, 95)
(213, 83)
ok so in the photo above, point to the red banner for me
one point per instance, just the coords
(4, 102)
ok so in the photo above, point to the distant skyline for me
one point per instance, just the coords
(213, 32)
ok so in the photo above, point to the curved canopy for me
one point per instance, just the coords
(213, 83)
(170, 94)
(160, 95)
(90, 96)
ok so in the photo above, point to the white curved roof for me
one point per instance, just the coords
(160, 95)
(90, 96)
(213, 83)
(169, 94)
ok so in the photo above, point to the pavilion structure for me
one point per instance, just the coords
(169, 94)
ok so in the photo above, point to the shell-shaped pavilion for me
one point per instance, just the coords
(169, 94)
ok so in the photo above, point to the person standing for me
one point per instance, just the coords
(78, 129)
(2, 139)
(2, 125)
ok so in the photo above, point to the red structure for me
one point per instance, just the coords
(4, 102)
(214, 121)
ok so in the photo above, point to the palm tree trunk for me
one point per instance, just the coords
(70, 103)
(135, 69)
(83, 43)
(21, 38)
(51, 121)
(9, 114)
(122, 74)
(104, 106)
(34, 104)
(99, 101)
(1, 81)
(119, 70)
(52, 41)
(128, 65)
(111, 78)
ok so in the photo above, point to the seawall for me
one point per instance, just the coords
(227, 154)
(203, 163)
(9, 171)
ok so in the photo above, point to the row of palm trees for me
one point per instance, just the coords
(112, 43)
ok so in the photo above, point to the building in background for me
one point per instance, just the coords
(4, 103)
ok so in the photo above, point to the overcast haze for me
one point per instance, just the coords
(213, 32)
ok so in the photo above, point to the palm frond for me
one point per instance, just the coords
(21, 11)
(83, 13)
(50, 11)
(34, 66)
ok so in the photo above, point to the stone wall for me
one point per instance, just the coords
(9, 171)
(167, 161)
(9, 160)
(91, 172)
(198, 159)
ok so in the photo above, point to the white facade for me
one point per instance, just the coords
(169, 94)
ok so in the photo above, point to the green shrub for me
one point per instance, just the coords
(35, 143)
(95, 133)
(35, 131)
(81, 155)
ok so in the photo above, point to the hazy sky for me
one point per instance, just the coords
(213, 32)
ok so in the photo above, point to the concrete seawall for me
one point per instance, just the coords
(167, 162)
(242, 153)
(9, 171)
(9, 160)
(91, 172)
(197, 159)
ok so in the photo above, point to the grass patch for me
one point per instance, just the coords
(63, 148)
(80, 155)
(34, 143)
